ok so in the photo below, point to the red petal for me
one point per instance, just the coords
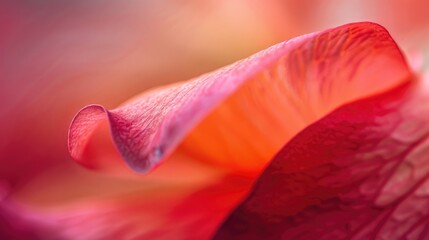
(362, 172)
(302, 79)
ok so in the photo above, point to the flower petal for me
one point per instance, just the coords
(172, 202)
(361, 172)
(301, 80)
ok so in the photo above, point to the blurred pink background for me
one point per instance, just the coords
(58, 56)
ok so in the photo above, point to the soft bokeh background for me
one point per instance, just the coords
(58, 56)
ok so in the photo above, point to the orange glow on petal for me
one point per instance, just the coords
(318, 75)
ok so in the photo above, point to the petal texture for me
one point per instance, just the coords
(362, 172)
(218, 117)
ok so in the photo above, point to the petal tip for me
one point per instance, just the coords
(85, 123)
(81, 128)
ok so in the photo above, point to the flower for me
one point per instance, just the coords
(321, 136)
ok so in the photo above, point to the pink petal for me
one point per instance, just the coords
(301, 79)
(362, 172)
(175, 201)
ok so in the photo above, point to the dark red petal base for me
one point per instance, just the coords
(362, 172)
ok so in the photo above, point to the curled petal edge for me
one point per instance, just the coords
(148, 129)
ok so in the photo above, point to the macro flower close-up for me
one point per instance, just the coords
(214, 120)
